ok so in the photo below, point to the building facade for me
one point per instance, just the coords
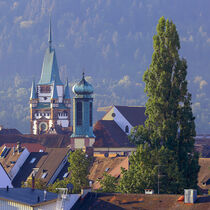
(50, 99)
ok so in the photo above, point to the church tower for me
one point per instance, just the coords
(50, 100)
(82, 115)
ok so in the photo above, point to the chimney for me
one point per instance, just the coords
(45, 195)
(18, 147)
(13, 150)
(33, 181)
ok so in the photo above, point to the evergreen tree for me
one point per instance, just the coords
(170, 126)
(79, 169)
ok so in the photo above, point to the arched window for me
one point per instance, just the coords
(91, 114)
(79, 113)
(126, 129)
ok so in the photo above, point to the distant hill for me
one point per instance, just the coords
(110, 40)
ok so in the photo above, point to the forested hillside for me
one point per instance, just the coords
(110, 40)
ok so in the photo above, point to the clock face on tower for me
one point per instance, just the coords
(43, 127)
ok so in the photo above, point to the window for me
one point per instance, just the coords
(45, 89)
(44, 175)
(79, 113)
(91, 113)
(126, 129)
(32, 160)
(113, 114)
(66, 174)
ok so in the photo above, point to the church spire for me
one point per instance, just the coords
(33, 91)
(50, 36)
(54, 92)
(66, 90)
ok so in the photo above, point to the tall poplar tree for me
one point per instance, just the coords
(170, 126)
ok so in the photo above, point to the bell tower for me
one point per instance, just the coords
(50, 100)
(82, 115)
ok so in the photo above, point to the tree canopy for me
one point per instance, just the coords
(167, 139)
(79, 169)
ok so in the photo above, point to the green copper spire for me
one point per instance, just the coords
(50, 66)
(50, 36)
(33, 91)
(54, 93)
(66, 90)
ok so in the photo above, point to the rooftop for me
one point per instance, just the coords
(26, 195)
(49, 162)
(204, 173)
(109, 134)
(134, 114)
(110, 165)
(9, 157)
(139, 201)
(47, 140)
(31, 147)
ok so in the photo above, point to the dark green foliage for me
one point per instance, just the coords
(169, 129)
(39, 184)
(108, 183)
(58, 184)
(79, 169)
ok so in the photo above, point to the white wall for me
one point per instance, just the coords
(10, 205)
(121, 120)
(4, 178)
(24, 155)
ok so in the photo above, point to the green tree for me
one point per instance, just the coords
(170, 126)
(108, 183)
(39, 184)
(79, 169)
(58, 184)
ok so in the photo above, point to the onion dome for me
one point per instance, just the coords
(83, 87)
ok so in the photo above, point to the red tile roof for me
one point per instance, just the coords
(139, 201)
(31, 147)
(109, 134)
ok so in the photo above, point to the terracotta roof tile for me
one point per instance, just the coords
(109, 134)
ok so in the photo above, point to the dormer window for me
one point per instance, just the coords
(44, 175)
(66, 174)
(126, 129)
(32, 160)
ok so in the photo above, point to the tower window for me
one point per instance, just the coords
(126, 129)
(91, 114)
(79, 113)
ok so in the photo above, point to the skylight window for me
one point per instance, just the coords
(66, 174)
(32, 160)
(44, 175)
